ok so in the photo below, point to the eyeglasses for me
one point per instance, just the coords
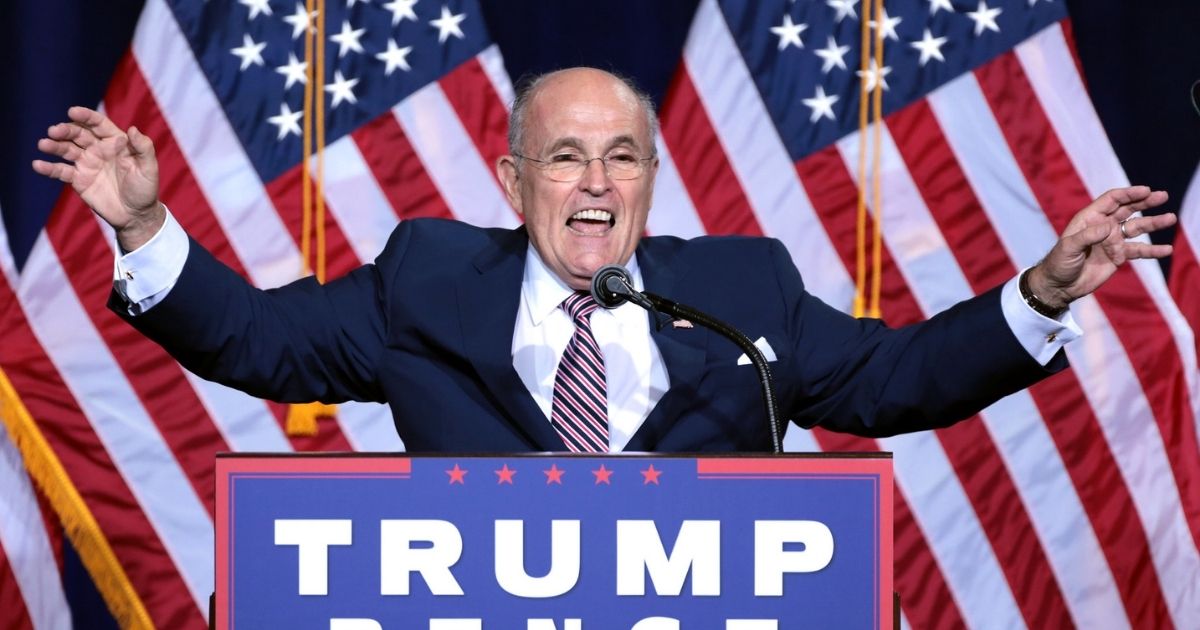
(569, 167)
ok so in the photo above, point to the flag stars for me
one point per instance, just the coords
(603, 475)
(348, 39)
(294, 71)
(257, 7)
(287, 121)
(458, 475)
(930, 47)
(888, 27)
(843, 7)
(554, 475)
(650, 476)
(874, 75)
(938, 5)
(448, 24)
(505, 475)
(342, 89)
(984, 18)
(394, 57)
(821, 105)
(249, 52)
(833, 55)
(401, 10)
(789, 33)
(301, 20)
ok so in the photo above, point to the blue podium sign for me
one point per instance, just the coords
(369, 542)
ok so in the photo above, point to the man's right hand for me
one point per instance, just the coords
(115, 172)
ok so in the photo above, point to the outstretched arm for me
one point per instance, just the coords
(114, 171)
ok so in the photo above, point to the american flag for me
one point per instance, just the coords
(1076, 502)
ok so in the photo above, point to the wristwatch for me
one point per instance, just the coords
(1034, 301)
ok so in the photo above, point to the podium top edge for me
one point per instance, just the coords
(640, 455)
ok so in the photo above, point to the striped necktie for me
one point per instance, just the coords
(579, 410)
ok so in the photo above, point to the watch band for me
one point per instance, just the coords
(1034, 302)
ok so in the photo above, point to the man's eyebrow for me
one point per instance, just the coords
(569, 141)
(624, 139)
(576, 143)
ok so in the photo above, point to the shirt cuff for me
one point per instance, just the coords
(1041, 336)
(146, 275)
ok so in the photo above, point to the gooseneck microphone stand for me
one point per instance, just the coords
(612, 286)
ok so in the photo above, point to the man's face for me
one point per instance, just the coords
(580, 226)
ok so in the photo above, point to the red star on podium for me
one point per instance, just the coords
(650, 475)
(554, 475)
(603, 475)
(505, 475)
(457, 475)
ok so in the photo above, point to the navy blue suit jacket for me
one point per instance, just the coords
(428, 329)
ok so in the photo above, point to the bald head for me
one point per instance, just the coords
(581, 77)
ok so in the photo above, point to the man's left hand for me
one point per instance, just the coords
(1097, 241)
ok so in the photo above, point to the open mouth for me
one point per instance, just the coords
(591, 222)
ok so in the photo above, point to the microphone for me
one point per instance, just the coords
(1196, 96)
(612, 286)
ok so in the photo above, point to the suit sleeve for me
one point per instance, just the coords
(859, 376)
(297, 343)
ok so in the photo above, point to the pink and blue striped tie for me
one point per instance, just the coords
(579, 410)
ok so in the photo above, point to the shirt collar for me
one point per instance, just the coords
(543, 291)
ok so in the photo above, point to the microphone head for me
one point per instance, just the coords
(610, 286)
(1196, 96)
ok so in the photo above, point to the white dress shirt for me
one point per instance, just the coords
(633, 367)
(637, 377)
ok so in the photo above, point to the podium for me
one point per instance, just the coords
(553, 542)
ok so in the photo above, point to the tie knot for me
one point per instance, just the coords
(580, 305)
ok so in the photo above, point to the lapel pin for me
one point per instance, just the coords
(682, 323)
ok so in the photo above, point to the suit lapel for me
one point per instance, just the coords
(682, 349)
(487, 308)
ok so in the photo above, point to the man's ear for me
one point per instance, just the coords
(510, 180)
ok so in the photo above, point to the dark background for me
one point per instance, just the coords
(1139, 61)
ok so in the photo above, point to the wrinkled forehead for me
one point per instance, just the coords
(588, 110)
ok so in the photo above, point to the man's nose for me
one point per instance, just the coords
(595, 178)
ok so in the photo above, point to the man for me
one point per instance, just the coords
(480, 342)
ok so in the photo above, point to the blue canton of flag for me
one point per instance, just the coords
(808, 69)
(377, 54)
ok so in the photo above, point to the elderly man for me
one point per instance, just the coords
(480, 342)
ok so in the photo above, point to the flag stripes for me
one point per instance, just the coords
(710, 180)
(1141, 330)
(353, 193)
(125, 522)
(1185, 264)
(31, 588)
(450, 157)
(396, 166)
(477, 104)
